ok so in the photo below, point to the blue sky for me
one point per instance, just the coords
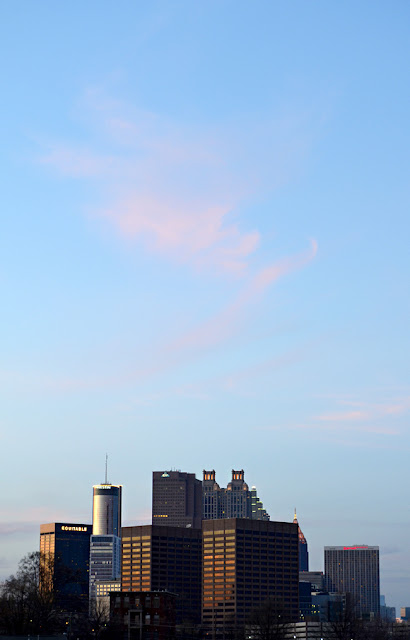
(204, 261)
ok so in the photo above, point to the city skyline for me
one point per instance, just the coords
(204, 262)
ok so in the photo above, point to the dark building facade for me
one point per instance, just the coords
(176, 499)
(157, 558)
(234, 501)
(65, 550)
(246, 563)
(355, 571)
(143, 615)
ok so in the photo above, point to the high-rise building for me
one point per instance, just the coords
(211, 493)
(303, 548)
(258, 512)
(176, 499)
(107, 509)
(105, 562)
(236, 501)
(105, 542)
(355, 571)
(247, 563)
(65, 550)
(157, 558)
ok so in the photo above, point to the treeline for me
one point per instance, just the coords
(28, 605)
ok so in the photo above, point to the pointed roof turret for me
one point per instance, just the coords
(302, 538)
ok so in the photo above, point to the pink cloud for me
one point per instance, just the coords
(190, 233)
(343, 416)
(174, 188)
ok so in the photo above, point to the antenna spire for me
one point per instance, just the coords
(106, 468)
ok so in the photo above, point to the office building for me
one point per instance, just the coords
(404, 613)
(234, 501)
(303, 548)
(105, 563)
(389, 613)
(316, 579)
(105, 542)
(107, 509)
(355, 571)
(246, 563)
(155, 557)
(65, 549)
(176, 499)
(258, 512)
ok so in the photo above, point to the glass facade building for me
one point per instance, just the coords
(105, 561)
(65, 549)
(107, 509)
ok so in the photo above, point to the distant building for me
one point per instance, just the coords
(105, 543)
(107, 509)
(176, 499)
(65, 549)
(236, 501)
(105, 561)
(305, 600)
(303, 548)
(316, 578)
(245, 563)
(355, 571)
(158, 557)
(405, 613)
(258, 512)
(327, 607)
(143, 615)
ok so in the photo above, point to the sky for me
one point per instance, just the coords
(204, 262)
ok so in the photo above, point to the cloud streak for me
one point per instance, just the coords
(173, 189)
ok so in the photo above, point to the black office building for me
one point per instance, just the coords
(176, 499)
(65, 553)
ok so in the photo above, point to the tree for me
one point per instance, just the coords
(25, 608)
(268, 622)
(346, 623)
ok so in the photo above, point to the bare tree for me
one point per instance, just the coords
(346, 623)
(24, 607)
(268, 622)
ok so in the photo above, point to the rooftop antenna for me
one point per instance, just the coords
(106, 468)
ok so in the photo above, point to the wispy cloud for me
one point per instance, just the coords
(343, 416)
(368, 412)
(175, 189)
(227, 321)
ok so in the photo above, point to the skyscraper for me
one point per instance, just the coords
(258, 512)
(107, 509)
(247, 563)
(303, 548)
(105, 542)
(355, 570)
(65, 549)
(176, 499)
(160, 557)
(236, 501)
